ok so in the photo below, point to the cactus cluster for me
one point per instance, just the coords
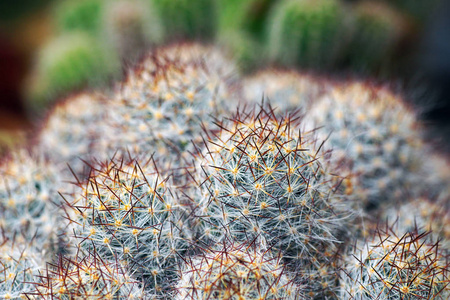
(192, 191)
(320, 35)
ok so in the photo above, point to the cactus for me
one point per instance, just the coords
(423, 214)
(70, 62)
(64, 137)
(19, 264)
(186, 19)
(380, 134)
(161, 107)
(285, 90)
(378, 30)
(235, 272)
(28, 187)
(308, 33)
(126, 212)
(86, 276)
(75, 15)
(262, 178)
(390, 266)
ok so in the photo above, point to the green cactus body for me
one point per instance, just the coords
(396, 267)
(86, 276)
(243, 273)
(285, 90)
(378, 30)
(126, 212)
(19, 266)
(186, 19)
(379, 133)
(84, 15)
(308, 33)
(70, 62)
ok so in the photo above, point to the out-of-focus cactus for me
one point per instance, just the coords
(285, 90)
(249, 16)
(70, 62)
(19, 266)
(162, 106)
(235, 272)
(131, 26)
(308, 33)
(186, 19)
(127, 212)
(380, 134)
(28, 187)
(423, 214)
(64, 137)
(390, 266)
(377, 33)
(87, 276)
(79, 15)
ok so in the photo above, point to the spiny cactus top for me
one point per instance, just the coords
(27, 189)
(423, 214)
(86, 276)
(263, 178)
(378, 132)
(390, 266)
(285, 90)
(235, 272)
(70, 132)
(168, 99)
(126, 212)
(19, 265)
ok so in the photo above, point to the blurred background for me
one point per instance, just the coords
(53, 48)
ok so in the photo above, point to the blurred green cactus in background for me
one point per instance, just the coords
(82, 15)
(308, 33)
(186, 19)
(70, 62)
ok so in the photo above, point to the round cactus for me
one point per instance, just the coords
(19, 265)
(285, 90)
(235, 272)
(126, 212)
(408, 266)
(379, 134)
(162, 107)
(378, 30)
(262, 178)
(64, 137)
(308, 33)
(86, 276)
(28, 187)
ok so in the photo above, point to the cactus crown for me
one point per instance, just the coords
(397, 267)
